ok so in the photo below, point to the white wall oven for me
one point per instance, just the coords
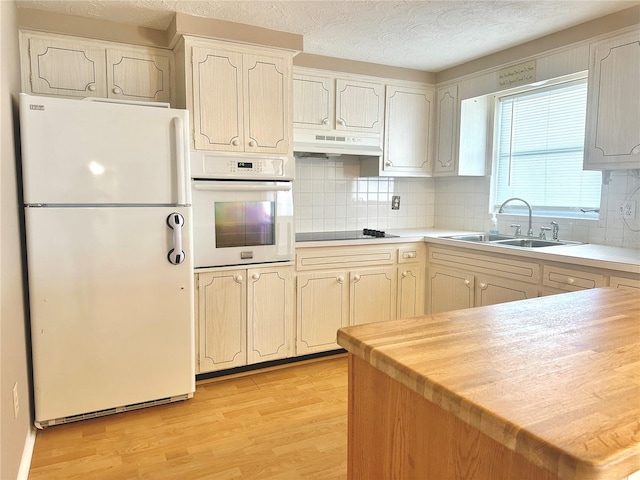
(242, 218)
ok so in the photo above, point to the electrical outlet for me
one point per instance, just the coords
(16, 404)
(395, 202)
(627, 209)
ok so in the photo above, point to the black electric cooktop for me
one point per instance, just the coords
(343, 235)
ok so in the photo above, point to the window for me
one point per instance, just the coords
(539, 150)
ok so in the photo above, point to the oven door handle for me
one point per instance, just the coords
(240, 187)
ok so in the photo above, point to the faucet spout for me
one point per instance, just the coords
(501, 210)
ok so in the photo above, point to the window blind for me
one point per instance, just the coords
(540, 146)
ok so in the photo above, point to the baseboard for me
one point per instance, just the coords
(27, 454)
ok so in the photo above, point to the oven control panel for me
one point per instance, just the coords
(207, 165)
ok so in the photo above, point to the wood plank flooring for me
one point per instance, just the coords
(288, 423)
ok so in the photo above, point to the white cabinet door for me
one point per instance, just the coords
(69, 68)
(217, 100)
(492, 290)
(222, 320)
(359, 106)
(410, 290)
(408, 129)
(323, 308)
(372, 295)
(270, 313)
(613, 105)
(449, 290)
(313, 102)
(135, 74)
(446, 130)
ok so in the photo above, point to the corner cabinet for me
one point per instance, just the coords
(240, 97)
(613, 104)
(73, 67)
(408, 133)
(245, 316)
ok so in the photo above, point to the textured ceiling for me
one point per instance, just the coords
(418, 34)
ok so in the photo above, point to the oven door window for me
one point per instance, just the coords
(244, 224)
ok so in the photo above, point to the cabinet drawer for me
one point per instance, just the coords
(569, 279)
(623, 282)
(488, 264)
(339, 257)
(412, 253)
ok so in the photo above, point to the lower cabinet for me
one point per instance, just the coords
(245, 316)
(492, 290)
(449, 290)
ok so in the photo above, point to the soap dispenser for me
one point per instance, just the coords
(494, 225)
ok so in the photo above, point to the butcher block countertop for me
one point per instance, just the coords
(556, 378)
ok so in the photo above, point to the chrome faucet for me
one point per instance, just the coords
(555, 230)
(501, 210)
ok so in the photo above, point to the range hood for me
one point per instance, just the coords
(336, 143)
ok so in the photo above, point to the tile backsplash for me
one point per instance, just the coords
(329, 195)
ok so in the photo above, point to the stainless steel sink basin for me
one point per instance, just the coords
(510, 240)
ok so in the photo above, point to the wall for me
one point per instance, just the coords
(14, 432)
(330, 195)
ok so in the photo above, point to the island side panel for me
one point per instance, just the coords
(395, 433)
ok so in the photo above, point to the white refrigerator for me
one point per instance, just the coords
(109, 257)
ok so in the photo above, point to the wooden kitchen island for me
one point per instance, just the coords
(546, 388)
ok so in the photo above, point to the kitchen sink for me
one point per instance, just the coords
(510, 240)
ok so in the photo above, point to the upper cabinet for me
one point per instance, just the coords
(71, 67)
(239, 97)
(408, 134)
(613, 104)
(324, 102)
(462, 134)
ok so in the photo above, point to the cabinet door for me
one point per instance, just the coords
(449, 290)
(270, 313)
(372, 295)
(323, 308)
(217, 100)
(359, 106)
(267, 104)
(66, 68)
(408, 131)
(446, 130)
(613, 104)
(410, 291)
(138, 75)
(222, 320)
(313, 102)
(490, 291)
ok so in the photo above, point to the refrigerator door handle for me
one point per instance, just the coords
(178, 134)
(176, 255)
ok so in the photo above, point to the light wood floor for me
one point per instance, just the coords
(289, 423)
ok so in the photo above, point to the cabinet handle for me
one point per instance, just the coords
(325, 121)
(570, 281)
(238, 278)
(340, 121)
(235, 142)
(255, 276)
(483, 286)
(467, 282)
(252, 143)
(388, 164)
(404, 274)
(117, 90)
(91, 88)
(356, 278)
(340, 279)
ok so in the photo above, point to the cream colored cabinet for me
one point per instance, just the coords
(73, 67)
(245, 316)
(324, 102)
(313, 102)
(623, 282)
(372, 296)
(322, 309)
(613, 104)
(462, 132)
(411, 280)
(449, 290)
(560, 279)
(408, 131)
(461, 278)
(240, 98)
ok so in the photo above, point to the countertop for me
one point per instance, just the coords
(556, 378)
(589, 255)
